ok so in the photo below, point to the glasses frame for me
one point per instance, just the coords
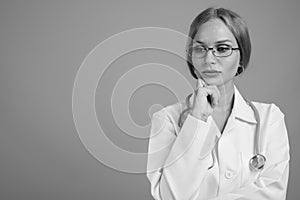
(213, 49)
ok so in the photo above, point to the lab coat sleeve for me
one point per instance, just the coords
(177, 163)
(273, 180)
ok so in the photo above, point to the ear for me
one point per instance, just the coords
(240, 70)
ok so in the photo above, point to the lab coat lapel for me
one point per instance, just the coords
(241, 111)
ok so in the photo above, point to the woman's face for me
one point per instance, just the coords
(210, 34)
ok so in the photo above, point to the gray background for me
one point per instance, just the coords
(43, 44)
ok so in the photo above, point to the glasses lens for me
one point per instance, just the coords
(200, 51)
(223, 51)
(197, 51)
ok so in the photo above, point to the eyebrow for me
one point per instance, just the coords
(218, 42)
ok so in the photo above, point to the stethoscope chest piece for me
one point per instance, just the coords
(257, 162)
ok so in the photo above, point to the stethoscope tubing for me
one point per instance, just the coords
(257, 162)
(257, 129)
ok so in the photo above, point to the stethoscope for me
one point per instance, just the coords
(257, 162)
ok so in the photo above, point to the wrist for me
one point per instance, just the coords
(200, 116)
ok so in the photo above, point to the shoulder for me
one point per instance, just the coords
(269, 112)
(273, 136)
(170, 112)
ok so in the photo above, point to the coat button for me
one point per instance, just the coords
(229, 174)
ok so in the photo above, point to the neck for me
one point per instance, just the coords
(226, 96)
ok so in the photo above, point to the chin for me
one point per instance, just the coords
(214, 81)
(218, 81)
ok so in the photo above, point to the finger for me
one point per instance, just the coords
(187, 100)
(199, 83)
(203, 83)
(197, 73)
(214, 94)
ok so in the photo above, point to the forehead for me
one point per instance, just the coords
(213, 31)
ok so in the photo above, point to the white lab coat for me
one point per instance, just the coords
(179, 160)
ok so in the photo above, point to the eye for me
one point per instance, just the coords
(223, 48)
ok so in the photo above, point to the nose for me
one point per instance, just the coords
(209, 57)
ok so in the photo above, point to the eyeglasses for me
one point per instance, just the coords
(220, 50)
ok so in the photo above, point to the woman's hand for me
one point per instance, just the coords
(205, 99)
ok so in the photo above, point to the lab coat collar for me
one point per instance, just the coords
(241, 109)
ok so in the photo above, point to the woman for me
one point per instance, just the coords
(205, 147)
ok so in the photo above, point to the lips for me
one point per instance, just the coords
(211, 71)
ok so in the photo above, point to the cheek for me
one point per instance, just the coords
(231, 65)
(198, 63)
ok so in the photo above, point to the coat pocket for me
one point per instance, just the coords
(247, 175)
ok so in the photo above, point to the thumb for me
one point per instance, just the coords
(200, 83)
